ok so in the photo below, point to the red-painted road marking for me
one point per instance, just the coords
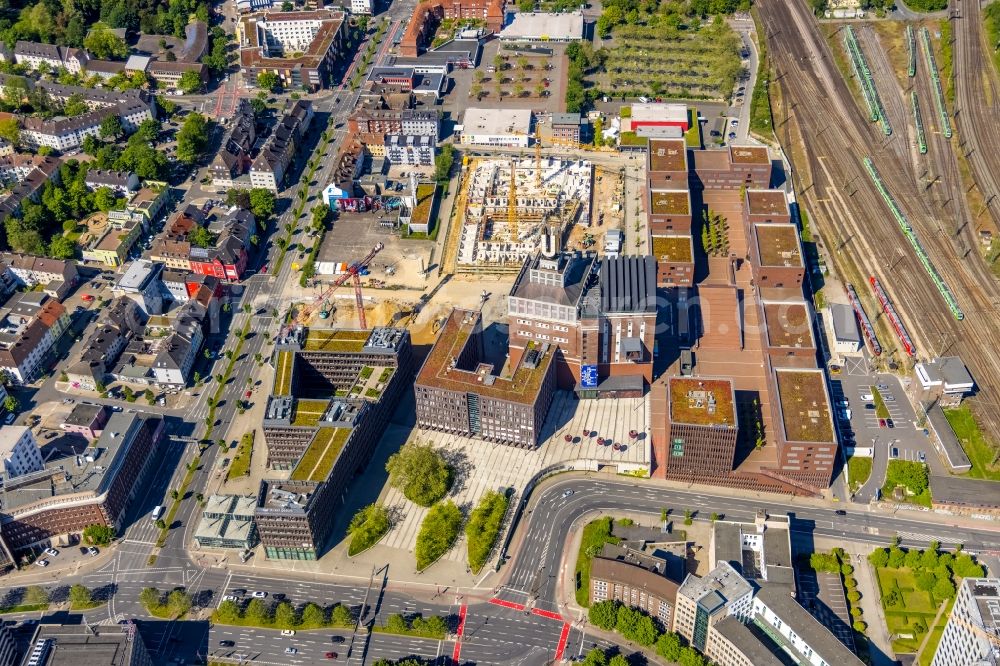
(461, 628)
(548, 614)
(563, 637)
(507, 604)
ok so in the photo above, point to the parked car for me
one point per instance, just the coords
(330, 655)
(291, 650)
(869, 406)
(51, 551)
(227, 643)
(287, 632)
(922, 456)
(882, 387)
(42, 563)
(93, 551)
(881, 423)
(239, 592)
(567, 493)
(894, 453)
(840, 512)
(260, 595)
(889, 423)
(867, 396)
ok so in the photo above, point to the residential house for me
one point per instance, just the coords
(35, 55)
(120, 323)
(55, 275)
(233, 158)
(86, 419)
(268, 170)
(30, 324)
(122, 183)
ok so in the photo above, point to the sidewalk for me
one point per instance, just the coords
(878, 636)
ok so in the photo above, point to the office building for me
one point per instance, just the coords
(705, 601)
(703, 426)
(427, 16)
(301, 47)
(332, 396)
(634, 578)
(87, 645)
(600, 314)
(458, 391)
(227, 522)
(74, 490)
(496, 127)
(972, 635)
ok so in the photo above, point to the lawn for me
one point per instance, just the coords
(927, 654)
(241, 462)
(881, 411)
(917, 605)
(595, 535)
(317, 461)
(981, 452)
(692, 138)
(859, 468)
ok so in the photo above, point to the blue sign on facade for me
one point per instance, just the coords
(588, 376)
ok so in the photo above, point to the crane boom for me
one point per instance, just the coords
(352, 273)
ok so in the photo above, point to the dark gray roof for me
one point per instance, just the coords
(799, 620)
(957, 458)
(575, 267)
(728, 543)
(749, 645)
(845, 323)
(628, 284)
(566, 118)
(972, 493)
(83, 414)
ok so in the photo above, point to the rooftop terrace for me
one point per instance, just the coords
(316, 463)
(669, 202)
(767, 202)
(700, 401)
(672, 248)
(778, 245)
(788, 324)
(805, 409)
(667, 155)
(437, 371)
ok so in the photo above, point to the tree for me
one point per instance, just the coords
(518, 89)
(161, 524)
(80, 596)
(175, 494)
(189, 82)
(912, 559)
(878, 558)
(965, 567)
(397, 624)
(636, 626)
(110, 127)
(367, 526)
(35, 596)
(75, 105)
(925, 581)
(11, 404)
(341, 616)
(150, 396)
(201, 237)
(313, 616)
(896, 557)
(420, 472)
(944, 589)
(618, 660)
(105, 44)
(854, 596)
(227, 612)
(148, 130)
(98, 535)
(437, 533)
(10, 130)
(285, 616)
(690, 657)
(261, 204)
(269, 81)
(443, 163)
(191, 138)
(860, 626)
(257, 612)
(104, 199)
(669, 646)
(604, 614)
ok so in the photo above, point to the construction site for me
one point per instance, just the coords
(507, 206)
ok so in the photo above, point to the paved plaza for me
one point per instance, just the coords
(483, 466)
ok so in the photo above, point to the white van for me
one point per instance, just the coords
(644, 100)
(157, 512)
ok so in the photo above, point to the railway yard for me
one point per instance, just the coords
(828, 137)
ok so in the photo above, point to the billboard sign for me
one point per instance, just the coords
(588, 376)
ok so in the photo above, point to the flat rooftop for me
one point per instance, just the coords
(778, 245)
(672, 248)
(83, 645)
(805, 408)
(496, 121)
(767, 202)
(669, 202)
(702, 401)
(335, 340)
(284, 363)
(317, 461)
(437, 370)
(538, 26)
(788, 325)
(667, 155)
(308, 413)
(749, 155)
(328, 24)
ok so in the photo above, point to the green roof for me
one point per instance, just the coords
(316, 463)
(283, 373)
(309, 412)
(335, 340)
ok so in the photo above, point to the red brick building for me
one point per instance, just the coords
(702, 425)
(428, 15)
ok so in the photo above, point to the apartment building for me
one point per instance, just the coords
(233, 157)
(333, 393)
(972, 635)
(117, 326)
(567, 128)
(427, 15)
(457, 388)
(268, 169)
(54, 275)
(34, 55)
(86, 419)
(30, 325)
(65, 134)
(122, 183)
(732, 169)
(19, 451)
(96, 487)
(301, 47)
(600, 313)
(409, 149)
(167, 351)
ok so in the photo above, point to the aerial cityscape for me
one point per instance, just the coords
(500, 332)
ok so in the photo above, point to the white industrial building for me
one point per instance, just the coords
(972, 635)
(496, 127)
(544, 27)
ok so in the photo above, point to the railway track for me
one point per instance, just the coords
(816, 104)
(896, 107)
(977, 95)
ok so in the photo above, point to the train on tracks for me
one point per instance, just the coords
(866, 324)
(890, 312)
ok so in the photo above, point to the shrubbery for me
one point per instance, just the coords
(483, 527)
(437, 534)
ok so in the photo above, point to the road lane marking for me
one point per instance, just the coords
(545, 613)
(507, 604)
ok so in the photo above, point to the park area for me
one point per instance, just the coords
(916, 588)
(519, 73)
(699, 62)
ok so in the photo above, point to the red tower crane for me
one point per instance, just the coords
(352, 273)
